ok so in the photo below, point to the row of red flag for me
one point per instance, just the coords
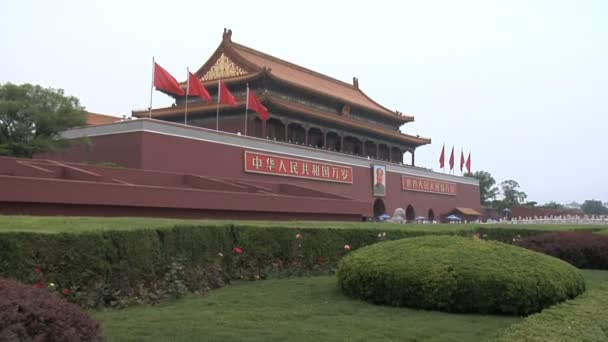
(463, 163)
(164, 81)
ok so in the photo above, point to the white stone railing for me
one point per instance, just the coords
(567, 219)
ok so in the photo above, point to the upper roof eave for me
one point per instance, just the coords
(417, 141)
(399, 118)
(236, 52)
(211, 107)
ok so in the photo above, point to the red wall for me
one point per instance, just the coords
(227, 161)
(36, 187)
(177, 154)
(124, 149)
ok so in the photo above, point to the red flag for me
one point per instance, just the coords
(165, 82)
(452, 159)
(196, 88)
(226, 96)
(442, 157)
(255, 104)
(461, 160)
(468, 163)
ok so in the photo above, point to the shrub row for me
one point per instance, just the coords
(582, 319)
(458, 274)
(117, 268)
(581, 249)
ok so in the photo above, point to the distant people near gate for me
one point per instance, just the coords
(379, 180)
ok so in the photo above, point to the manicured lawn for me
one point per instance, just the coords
(65, 224)
(593, 278)
(295, 309)
(71, 224)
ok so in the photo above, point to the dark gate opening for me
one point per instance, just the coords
(379, 208)
(431, 215)
(410, 215)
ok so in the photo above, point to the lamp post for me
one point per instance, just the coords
(507, 214)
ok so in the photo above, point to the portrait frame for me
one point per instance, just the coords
(379, 180)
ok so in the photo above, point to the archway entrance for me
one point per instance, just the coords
(379, 208)
(431, 216)
(410, 215)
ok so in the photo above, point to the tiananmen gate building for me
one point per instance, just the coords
(328, 151)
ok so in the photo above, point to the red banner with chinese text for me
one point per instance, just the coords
(409, 183)
(256, 162)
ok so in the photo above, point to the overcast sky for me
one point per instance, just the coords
(522, 84)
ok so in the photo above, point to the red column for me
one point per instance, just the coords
(264, 129)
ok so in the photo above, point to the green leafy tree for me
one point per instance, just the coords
(31, 118)
(512, 195)
(594, 207)
(553, 205)
(487, 188)
(530, 204)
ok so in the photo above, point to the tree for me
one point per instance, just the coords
(573, 205)
(512, 195)
(530, 204)
(487, 190)
(31, 118)
(594, 207)
(553, 205)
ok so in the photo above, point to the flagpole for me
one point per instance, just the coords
(152, 87)
(217, 114)
(443, 150)
(461, 161)
(187, 91)
(246, 108)
(452, 158)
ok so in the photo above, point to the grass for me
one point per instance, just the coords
(74, 224)
(582, 319)
(595, 278)
(297, 309)
(69, 224)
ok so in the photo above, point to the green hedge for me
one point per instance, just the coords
(119, 266)
(582, 319)
(458, 274)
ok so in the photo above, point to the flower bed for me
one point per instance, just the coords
(120, 268)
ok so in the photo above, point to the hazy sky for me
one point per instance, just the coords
(523, 84)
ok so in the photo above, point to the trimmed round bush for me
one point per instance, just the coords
(32, 314)
(458, 274)
(581, 249)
